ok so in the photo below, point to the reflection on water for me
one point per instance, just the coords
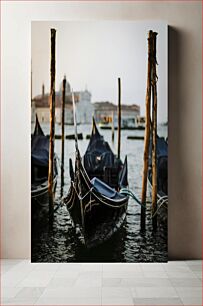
(60, 244)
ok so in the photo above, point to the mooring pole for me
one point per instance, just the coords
(52, 122)
(112, 126)
(119, 117)
(154, 135)
(147, 135)
(62, 132)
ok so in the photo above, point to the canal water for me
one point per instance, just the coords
(61, 244)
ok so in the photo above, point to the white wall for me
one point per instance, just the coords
(185, 62)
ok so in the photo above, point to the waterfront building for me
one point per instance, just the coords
(40, 106)
(104, 112)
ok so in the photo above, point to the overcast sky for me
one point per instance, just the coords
(94, 54)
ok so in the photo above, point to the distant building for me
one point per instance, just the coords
(85, 108)
(105, 111)
(40, 106)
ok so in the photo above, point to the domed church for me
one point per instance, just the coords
(84, 107)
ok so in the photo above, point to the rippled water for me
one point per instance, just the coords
(60, 243)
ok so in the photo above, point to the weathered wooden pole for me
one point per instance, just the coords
(112, 127)
(119, 117)
(62, 132)
(52, 122)
(154, 135)
(147, 134)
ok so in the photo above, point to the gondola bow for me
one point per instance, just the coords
(96, 207)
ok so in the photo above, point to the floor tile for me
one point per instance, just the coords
(173, 283)
(15, 275)
(175, 263)
(189, 291)
(90, 274)
(185, 282)
(9, 292)
(30, 292)
(123, 274)
(5, 268)
(116, 292)
(147, 282)
(155, 274)
(192, 301)
(152, 267)
(61, 282)
(67, 274)
(46, 267)
(154, 292)
(177, 268)
(72, 292)
(85, 282)
(132, 268)
(92, 267)
(193, 262)
(195, 268)
(69, 301)
(37, 279)
(22, 301)
(117, 301)
(69, 267)
(179, 274)
(157, 301)
(112, 282)
(198, 274)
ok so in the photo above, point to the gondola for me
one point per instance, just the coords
(97, 208)
(162, 177)
(39, 172)
(162, 166)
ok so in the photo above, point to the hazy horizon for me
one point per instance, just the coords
(93, 54)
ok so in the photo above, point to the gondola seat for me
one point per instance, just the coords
(105, 190)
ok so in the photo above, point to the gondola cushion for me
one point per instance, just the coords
(104, 189)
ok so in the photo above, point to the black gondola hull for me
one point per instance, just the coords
(96, 207)
(39, 174)
(95, 216)
(162, 177)
(40, 201)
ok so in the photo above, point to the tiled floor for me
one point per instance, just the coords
(174, 283)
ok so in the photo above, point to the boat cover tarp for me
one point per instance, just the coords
(38, 130)
(162, 164)
(98, 154)
(99, 158)
(40, 151)
(162, 149)
(106, 190)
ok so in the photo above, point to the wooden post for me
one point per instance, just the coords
(62, 132)
(154, 134)
(147, 134)
(112, 126)
(119, 117)
(52, 123)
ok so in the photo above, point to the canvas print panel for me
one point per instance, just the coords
(99, 143)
